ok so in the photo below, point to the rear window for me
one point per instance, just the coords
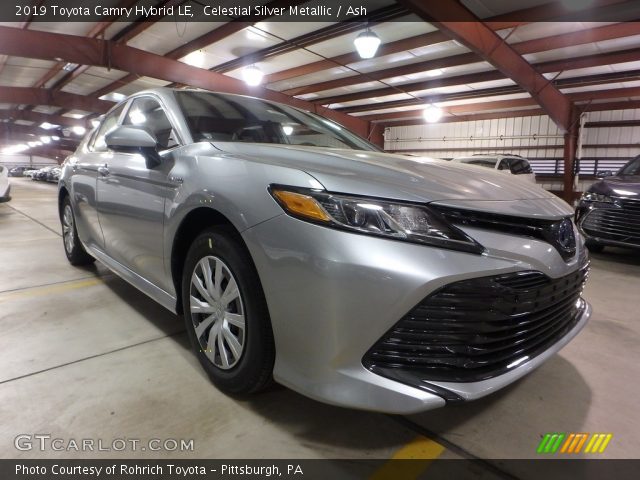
(483, 162)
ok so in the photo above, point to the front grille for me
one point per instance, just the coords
(619, 222)
(479, 328)
(558, 233)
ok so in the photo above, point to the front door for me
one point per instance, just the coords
(132, 196)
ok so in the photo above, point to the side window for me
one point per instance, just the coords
(110, 121)
(504, 164)
(147, 112)
(520, 166)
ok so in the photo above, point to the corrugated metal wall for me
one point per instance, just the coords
(536, 138)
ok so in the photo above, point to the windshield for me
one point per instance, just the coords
(218, 117)
(631, 168)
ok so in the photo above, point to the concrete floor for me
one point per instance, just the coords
(84, 355)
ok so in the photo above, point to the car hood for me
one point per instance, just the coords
(386, 175)
(620, 186)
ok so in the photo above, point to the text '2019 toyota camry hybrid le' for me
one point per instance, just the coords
(301, 253)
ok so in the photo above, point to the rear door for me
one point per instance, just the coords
(132, 196)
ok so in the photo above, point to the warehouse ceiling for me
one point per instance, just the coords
(501, 67)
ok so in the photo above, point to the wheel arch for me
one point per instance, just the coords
(194, 223)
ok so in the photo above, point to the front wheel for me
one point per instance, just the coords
(76, 254)
(226, 314)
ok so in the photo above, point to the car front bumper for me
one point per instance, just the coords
(332, 295)
(613, 224)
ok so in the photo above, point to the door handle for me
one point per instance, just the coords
(103, 171)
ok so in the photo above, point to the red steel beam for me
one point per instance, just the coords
(531, 112)
(597, 34)
(492, 48)
(40, 96)
(104, 53)
(584, 81)
(544, 12)
(39, 118)
(201, 42)
(453, 110)
(97, 30)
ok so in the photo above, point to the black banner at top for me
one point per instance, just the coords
(369, 11)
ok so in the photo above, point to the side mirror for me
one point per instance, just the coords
(130, 139)
(604, 173)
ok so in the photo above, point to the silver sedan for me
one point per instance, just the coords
(299, 252)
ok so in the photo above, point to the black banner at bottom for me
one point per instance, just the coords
(548, 469)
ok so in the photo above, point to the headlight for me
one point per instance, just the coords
(372, 216)
(596, 197)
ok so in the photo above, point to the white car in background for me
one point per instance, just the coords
(5, 186)
(507, 163)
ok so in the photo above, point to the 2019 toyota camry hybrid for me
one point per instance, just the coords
(299, 252)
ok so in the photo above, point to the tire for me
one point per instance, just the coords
(594, 247)
(219, 324)
(76, 254)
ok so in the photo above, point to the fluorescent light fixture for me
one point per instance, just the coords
(574, 5)
(55, 138)
(70, 66)
(79, 130)
(252, 75)
(45, 139)
(287, 129)
(435, 73)
(195, 59)
(48, 126)
(432, 113)
(367, 44)
(38, 143)
(77, 115)
(31, 144)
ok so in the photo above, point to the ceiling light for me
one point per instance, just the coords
(432, 113)
(38, 143)
(48, 126)
(70, 66)
(31, 144)
(45, 139)
(435, 73)
(95, 122)
(252, 75)
(287, 129)
(367, 44)
(78, 130)
(574, 5)
(55, 138)
(195, 59)
(78, 115)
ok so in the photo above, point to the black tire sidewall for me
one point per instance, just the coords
(253, 371)
(78, 255)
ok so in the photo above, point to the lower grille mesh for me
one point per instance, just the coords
(620, 224)
(477, 329)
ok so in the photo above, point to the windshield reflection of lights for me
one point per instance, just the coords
(370, 206)
(623, 192)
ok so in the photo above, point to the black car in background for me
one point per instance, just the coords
(609, 211)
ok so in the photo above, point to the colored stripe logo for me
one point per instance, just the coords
(569, 443)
